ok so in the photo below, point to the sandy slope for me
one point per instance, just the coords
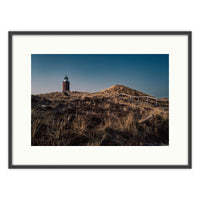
(79, 118)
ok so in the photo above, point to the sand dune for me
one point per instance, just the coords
(98, 119)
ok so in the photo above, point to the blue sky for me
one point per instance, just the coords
(148, 73)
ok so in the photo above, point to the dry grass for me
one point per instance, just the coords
(96, 119)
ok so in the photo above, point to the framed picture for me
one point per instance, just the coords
(100, 99)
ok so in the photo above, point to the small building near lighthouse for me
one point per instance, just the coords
(66, 84)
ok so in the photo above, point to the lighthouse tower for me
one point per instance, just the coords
(66, 84)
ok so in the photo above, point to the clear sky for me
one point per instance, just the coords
(148, 73)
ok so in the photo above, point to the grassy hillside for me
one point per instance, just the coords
(125, 90)
(79, 118)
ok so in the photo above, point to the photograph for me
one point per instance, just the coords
(100, 99)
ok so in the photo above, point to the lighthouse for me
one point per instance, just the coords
(66, 84)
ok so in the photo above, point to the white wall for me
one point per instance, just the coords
(99, 15)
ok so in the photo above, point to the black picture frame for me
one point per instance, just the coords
(10, 110)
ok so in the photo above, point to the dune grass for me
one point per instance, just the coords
(95, 119)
